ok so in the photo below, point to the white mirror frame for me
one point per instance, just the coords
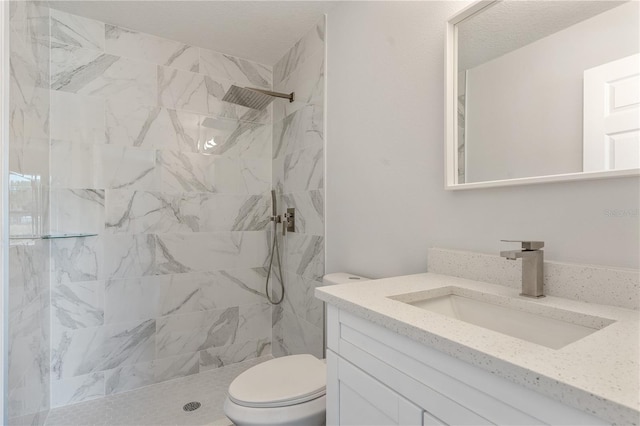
(451, 128)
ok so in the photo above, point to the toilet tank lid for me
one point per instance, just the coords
(342, 278)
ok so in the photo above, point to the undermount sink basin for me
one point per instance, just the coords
(550, 327)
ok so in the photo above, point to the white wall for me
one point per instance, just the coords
(385, 199)
(527, 104)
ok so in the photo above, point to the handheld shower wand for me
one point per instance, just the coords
(275, 218)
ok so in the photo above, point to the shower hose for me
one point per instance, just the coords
(274, 250)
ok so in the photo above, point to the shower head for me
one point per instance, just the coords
(253, 98)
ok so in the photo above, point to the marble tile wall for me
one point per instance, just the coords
(176, 184)
(298, 177)
(29, 286)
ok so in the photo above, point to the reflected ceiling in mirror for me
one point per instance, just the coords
(543, 89)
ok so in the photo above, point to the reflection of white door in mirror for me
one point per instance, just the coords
(612, 115)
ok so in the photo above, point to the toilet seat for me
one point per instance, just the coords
(297, 379)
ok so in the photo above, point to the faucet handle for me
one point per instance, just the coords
(527, 245)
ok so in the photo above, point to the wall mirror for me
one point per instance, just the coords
(542, 91)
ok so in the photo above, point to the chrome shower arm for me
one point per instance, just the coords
(290, 96)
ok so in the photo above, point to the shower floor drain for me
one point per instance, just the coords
(191, 406)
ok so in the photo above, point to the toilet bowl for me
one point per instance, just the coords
(282, 391)
(286, 391)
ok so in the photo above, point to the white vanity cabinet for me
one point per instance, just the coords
(378, 377)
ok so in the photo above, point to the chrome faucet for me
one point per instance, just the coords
(532, 261)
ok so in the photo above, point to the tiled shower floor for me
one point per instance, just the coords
(159, 404)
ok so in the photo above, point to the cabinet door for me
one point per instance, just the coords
(365, 401)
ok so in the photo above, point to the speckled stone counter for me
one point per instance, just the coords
(598, 374)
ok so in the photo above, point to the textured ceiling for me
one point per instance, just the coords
(509, 25)
(258, 30)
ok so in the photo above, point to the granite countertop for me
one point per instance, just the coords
(598, 374)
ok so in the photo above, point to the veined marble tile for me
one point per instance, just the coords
(28, 343)
(303, 170)
(161, 51)
(28, 205)
(29, 113)
(77, 118)
(188, 333)
(304, 255)
(237, 352)
(76, 30)
(92, 73)
(78, 305)
(252, 214)
(242, 176)
(151, 127)
(309, 211)
(78, 166)
(232, 138)
(300, 299)
(302, 129)
(235, 287)
(128, 300)
(73, 165)
(76, 259)
(129, 377)
(208, 252)
(28, 400)
(129, 256)
(28, 273)
(241, 71)
(300, 337)
(310, 43)
(181, 90)
(83, 351)
(204, 291)
(152, 212)
(28, 161)
(77, 211)
(29, 51)
(180, 293)
(33, 419)
(228, 212)
(255, 322)
(127, 168)
(76, 352)
(128, 343)
(181, 171)
(307, 81)
(176, 366)
(77, 389)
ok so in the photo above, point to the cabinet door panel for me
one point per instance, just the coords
(355, 410)
(365, 401)
(429, 420)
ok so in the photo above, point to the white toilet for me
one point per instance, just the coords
(284, 391)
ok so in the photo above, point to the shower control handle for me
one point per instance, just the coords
(289, 221)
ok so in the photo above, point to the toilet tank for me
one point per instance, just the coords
(342, 278)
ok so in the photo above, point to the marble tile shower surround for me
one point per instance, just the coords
(592, 284)
(298, 176)
(29, 285)
(176, 184)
